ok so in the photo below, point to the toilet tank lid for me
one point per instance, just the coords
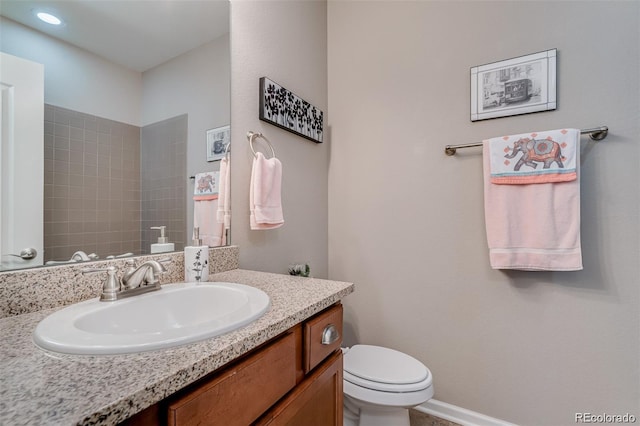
(384, 365)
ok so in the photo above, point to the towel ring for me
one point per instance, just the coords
(251, 136)
(227, 150)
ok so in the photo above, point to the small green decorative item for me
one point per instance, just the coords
(300, 269)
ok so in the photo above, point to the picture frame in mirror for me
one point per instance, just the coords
(217, 141)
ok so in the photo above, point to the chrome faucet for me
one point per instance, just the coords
(136, 280)
(143, 275)
(81, 256)
(78, 256)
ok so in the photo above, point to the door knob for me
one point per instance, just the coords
(26, 254)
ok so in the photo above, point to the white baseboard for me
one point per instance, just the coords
(458, 415)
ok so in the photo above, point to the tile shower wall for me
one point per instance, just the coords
(164, 180)
(91, 185)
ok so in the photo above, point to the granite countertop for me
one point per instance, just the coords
(38, 387)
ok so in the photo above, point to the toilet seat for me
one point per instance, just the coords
(387, 387)
(384, 369)
(381, 384)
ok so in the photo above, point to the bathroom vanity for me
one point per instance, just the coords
(272, 371)
(292, 379)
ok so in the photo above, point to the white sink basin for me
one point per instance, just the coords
(174, 315)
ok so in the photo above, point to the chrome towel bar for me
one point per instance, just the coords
(597, 134)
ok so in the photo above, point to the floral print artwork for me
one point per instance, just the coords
(284, 109)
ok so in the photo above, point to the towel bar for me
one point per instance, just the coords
(251, 136)
(597, 134)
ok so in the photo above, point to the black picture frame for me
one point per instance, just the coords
(283, 108)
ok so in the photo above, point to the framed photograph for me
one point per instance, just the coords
(514, 86)
(282, 108)
(217, 141)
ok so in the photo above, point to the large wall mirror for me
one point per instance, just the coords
(130, 89)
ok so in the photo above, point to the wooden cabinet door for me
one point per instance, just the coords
(240, 394)
(316, 401)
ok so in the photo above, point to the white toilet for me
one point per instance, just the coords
(381, 384)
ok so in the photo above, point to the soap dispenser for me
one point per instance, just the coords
(196, 260)
(163, 244)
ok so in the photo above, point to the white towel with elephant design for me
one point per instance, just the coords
(534, 227)
(538, 157)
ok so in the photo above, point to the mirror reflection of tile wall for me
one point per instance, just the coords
(106, 183)
(91, 185)
(163, 156)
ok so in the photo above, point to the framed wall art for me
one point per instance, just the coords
(217, 141)
(282, 108)
(514, 86)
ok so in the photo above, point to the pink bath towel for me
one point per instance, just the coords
(224, 194)
(265, 201)
(532, 226)
(205, 206)
(204, 217)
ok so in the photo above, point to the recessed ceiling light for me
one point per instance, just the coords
(49, 18)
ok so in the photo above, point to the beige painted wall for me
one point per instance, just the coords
(287, 42)
(406, 223)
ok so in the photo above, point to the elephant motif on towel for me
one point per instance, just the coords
(535, 151)
(205, 184)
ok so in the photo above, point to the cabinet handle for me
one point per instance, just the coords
(330, 334)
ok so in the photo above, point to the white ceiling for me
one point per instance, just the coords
(138, 34)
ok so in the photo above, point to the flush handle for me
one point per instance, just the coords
(330, 334)
(26, 254)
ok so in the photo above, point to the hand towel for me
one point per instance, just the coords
(535, 157)
(265, 200)
(206, 186)
(224, 194)
(205, 207)
(533, 226)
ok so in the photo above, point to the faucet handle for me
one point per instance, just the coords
(107, 269)
(111, 285)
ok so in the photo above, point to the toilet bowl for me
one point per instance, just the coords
(381, 384)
